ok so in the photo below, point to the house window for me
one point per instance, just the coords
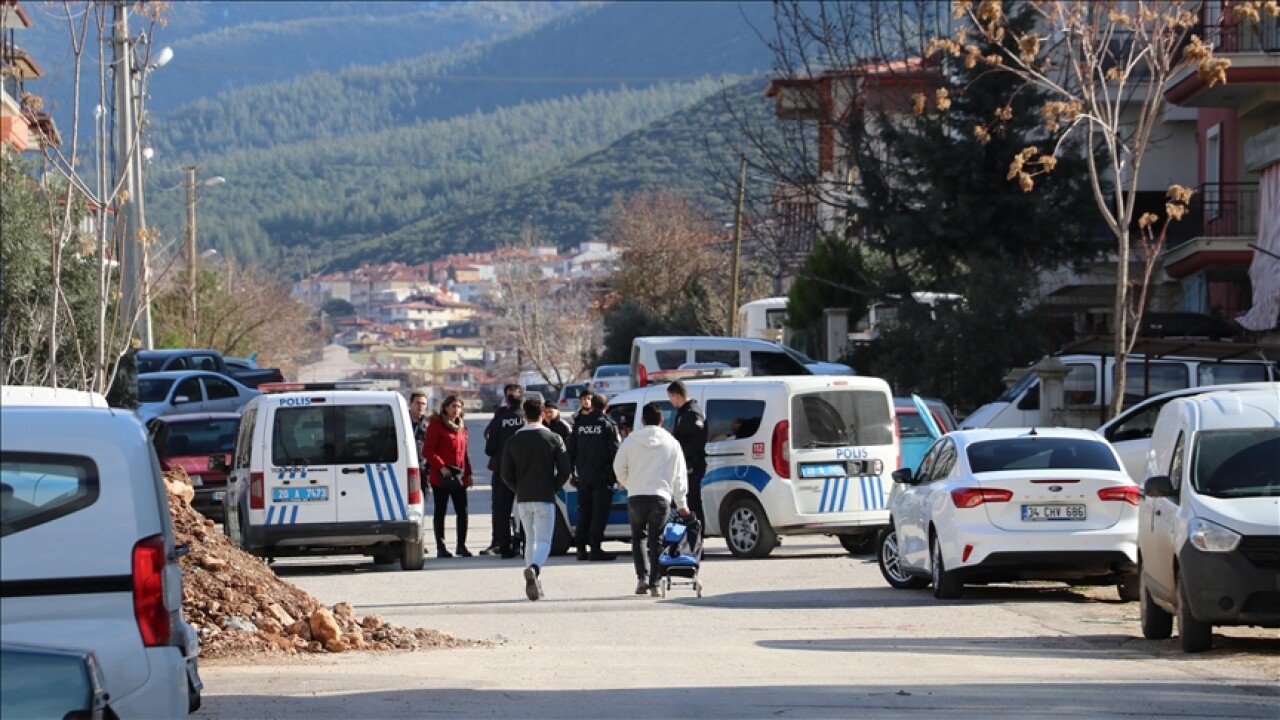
(1212, 172)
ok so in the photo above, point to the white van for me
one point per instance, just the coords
(319, 468)
(1089, 380)
(763, 319)
(786, 456)
(87, 555)
(1209, 518)
(657, 359)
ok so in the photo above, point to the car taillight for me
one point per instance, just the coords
(782, 449)
(149, 558)
(1120, 493)
(643, 374)
(257, 500)
(973, 497)
(897, 435)
(415, 486)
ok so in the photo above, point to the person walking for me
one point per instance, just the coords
(535, 466)
(691, 432)
(507, 421)
(449, 471)
(651, 467)
(592, 449)
(418, 421)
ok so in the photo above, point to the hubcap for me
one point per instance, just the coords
(892, 561)
(744, 529)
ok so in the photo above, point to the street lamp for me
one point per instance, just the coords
(191, 185)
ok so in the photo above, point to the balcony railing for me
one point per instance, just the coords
(1245, 35)
(1229, 209)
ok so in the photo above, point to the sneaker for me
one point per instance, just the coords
(642, 587)
(653, 591)
(582, 555)
(443, 551)
(532, 587)
(462, 551)
(491, 550)
(600, 556)
(508, 554)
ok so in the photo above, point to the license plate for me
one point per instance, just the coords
(1070, 513)
(217, 496)
(299, 494)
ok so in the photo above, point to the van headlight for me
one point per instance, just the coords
(1211, 537)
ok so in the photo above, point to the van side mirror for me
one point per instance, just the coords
(1159, 486)
(903, 475)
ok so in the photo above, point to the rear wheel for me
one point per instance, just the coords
(384, 556)
(747, 531)
(946, 586)
(861, 544)
(1156, 623)
(1195, 636)
(890, 560)
(561, 538)
(1128, 587)
(411, 555)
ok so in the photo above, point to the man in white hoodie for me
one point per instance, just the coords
(650, 465)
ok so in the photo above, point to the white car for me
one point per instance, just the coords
(184, 392)
(611, 379)
(1013, 504)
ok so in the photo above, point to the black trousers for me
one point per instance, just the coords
(504, 500)
(648, 514)
(695, 497)
(442, 497)
(594, 501)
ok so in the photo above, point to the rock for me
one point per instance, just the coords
(370, 622)
(355, 640)
(231, 622)
(336, 645)
(269, 626)
(213, 563)
(324, 627)
(344, 611)
(300, 629)
(279, 614)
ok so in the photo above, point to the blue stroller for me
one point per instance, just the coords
(681, 554)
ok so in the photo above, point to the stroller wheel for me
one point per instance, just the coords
(697, 587)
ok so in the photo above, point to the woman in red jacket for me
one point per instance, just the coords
(449, 473)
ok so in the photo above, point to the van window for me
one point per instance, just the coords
(835, 418)
(1137, 426)
(767, 363)
(244, 441)
(733, 419)
(624, 415)
(36, 488)
(671, 359)
(732, 358)
(1243, 462)
(1176, 462)
(1210, 373)
(335, 435)
(1080, 386)
(1156, 378)
(298, 437)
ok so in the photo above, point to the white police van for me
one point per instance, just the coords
(804, 455)
(322, 468)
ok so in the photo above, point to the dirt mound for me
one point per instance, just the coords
(239, 607)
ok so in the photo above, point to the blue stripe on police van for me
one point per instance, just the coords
(373, 490)
(386, 494)
(844, 493)
(271, 512)
(293, 516)
(826, 488)
(391, 474)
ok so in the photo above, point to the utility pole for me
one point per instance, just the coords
(737, 246)
(133, 308)
(191, 249)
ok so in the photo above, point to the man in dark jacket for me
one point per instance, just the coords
(506, 422)
(555, 422)
(535, 466)
(592, 447)
(691, 433)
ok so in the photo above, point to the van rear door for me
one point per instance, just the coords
(369, 472)
(299, 481)
(842, 449)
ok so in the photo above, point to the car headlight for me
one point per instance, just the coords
(1211, 537)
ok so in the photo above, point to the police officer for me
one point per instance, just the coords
(691, 433)
(506, 422)
(592, 447)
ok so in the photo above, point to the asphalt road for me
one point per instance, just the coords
(809, 632)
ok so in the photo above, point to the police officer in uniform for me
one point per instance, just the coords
(691, 433)
(506, 422)
(592, 447)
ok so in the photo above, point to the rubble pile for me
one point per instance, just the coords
(239, 607)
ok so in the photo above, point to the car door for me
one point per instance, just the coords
(188, 396)
(1157, 525)
(910, 511)
(222, 395)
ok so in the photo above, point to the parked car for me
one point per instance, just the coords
(611, 379)
(569, 394)
(238, 364)
(1130, 431)
(202, 445)
(1209, 537)
(653, 359)
(185, 392)
(152, 361)
(87, 554)
(1013, 504)
(44, 682)
(913, 435)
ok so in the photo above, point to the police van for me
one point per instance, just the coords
(804, 455)
(326, 468)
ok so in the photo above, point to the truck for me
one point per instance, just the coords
(189, 359)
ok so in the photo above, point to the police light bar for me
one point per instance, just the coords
(305, 386)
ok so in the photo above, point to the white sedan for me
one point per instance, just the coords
(1013, 504)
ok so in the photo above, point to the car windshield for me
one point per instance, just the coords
(613, 371)
(204, 437)
(797, 355)
(153, 389)
(1236, 463)
(1012, 393)
(1041, 453)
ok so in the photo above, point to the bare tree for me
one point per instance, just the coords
(1104, 67)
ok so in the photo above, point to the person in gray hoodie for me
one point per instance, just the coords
(650, 465)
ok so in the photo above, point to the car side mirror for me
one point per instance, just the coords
(180, 399)
(1158, 486)
(902, 475)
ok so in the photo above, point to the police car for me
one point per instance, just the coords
(326, 468)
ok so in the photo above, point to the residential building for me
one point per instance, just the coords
(23, 126)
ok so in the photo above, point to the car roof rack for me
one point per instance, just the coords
(280, 387)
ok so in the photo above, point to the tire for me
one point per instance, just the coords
(1156, 623)
(946, 586)
(1194, 635)
(194, 700)
(561, 538)
(890, 564)
(1129, 587)
(862, 544)
(747, 530)
(411, 555)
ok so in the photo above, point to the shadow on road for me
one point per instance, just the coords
(864, 597)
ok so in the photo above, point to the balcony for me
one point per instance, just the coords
(1223, 221)
(1245, 36)
(1253, 79)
